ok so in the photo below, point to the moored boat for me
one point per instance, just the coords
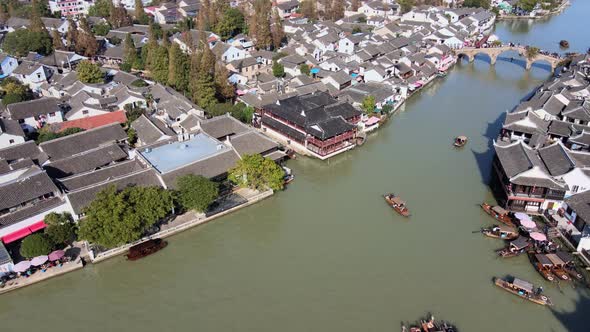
(498, 213)
(515, 248)
(524, 289)
(397, 204)
(503, 232)
(543, 265)
(430, 325)
(557, 267)
(569, 265)
(564, 43)
(460, 141)
(145, 249)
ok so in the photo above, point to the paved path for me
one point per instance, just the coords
(40, 276)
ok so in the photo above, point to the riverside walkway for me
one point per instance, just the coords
(494, 52)
(40, 276)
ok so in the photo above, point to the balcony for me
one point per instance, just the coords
(331, 141)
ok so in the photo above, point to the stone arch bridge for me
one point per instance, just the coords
(494, 52)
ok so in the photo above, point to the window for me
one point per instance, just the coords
(575, 189)
(52, 114)
(85, 112)
(11, 141)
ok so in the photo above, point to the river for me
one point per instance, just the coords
(327, 254)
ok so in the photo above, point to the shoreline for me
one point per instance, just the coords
(553, 12)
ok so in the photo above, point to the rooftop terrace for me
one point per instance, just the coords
(171, 156)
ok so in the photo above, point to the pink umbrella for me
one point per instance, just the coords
(538, 236)
(528, 223)
(39, 260)
(56, 255)
(522, 216)
(22, 266)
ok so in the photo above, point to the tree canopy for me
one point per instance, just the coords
(368, 105)
(485, 4)
(116, 217)
(231, 23)
(23, 41)
(406, 5)
(61, 228)
(45, 134)
(278, 70)
(257, 172)
(89, 72)
(36, 245)
(14, 91)
(196, 192)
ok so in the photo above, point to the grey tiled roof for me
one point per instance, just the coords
(26, 189)
(27, 149)
(81, 198)
(581, 204)
(32, 108)
(516, 158)
(85, 161)
(211, 167)
(30, 211)
(90, 178)
(146, 130)
(221, 126)
(556, 159)
(11, 127)
(73, 144)
(252, 143)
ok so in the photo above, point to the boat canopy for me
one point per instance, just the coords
(525, 285)
(520, 243)
(566, 257)
(543, 260)
(555, 259)
(462, 138)
(506, 229)
(398, 201)
(499, 210)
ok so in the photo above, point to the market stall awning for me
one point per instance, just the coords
(23, 232)
(16, 235)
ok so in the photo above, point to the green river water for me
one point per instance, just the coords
(328, 254)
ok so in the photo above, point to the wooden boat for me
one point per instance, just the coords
(515, 248)
(430, 325)
(397, 204)
(557, 267)
(501, 232)
(145, 249)
(460, 141)
(569, 265)
(564, 43)
(523, 289)
(543, 265)
(498, 213)
(289, 177)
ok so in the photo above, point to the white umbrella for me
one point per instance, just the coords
(39, 260)
(22, 266)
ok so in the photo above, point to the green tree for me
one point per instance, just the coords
(278, 32)
(131, 136)
(158, 64)
(57, 42)
(356, 29)
(23, 41)
(116, 217)
(262, 19)
(129, 51)
(196, 192)
(14, 91)
(368, 105)
(89, 72)
(118, 17)
(405, 5)
(532, 52)
(101, 8)
(36, 245)
(86, 43)
(231, 23)
(304, 69)
(485, 4)
(45, 134)
(72, 33)
(225, 90)
(178, 68)
(278, 70)
(101, 29)
(257, 172)
(61, 228)
(242, 112)
(140, 15)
